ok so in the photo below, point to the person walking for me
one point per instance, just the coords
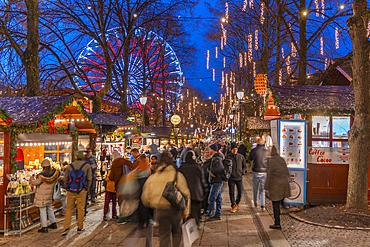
(277, 183)
(216, 180)
(110, 195)
(44, 183)
(259, 157)
(91, 159)
(81, 168)
(238, 170)
(63, 189)
(169, 218)
(206, 159)
(242, 149)
(193, 174)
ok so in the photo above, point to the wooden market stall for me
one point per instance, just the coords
(329, 112)
(256, 127)
(34, 128)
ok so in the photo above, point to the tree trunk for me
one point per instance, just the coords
(31, 54)
(360, 132)
(96, 105)
(302, 61)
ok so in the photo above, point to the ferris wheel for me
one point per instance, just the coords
(153, 69)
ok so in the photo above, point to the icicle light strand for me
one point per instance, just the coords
(251, 4)
(245, 59)
(262, 18)
(321, 45)
(256, 40)
(336, 38)
(207, 59)
(216, 51)
(294, 51)
(288, 70)
(322, 8)
(214, 74)
(254, 69)
(280, 77)
(250, 48)
(222, 43)
(245, 5)
(240, 60)
(224, 62)
(317, 8)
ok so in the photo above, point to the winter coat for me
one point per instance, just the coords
(77, 165)
(259, 157)
(239, 166)
(277, 180)
(205, 167)
(197, 151)
(116, 169)
(242, 150)
(216, 168)
(194, 176)
(45, 187)
(183, 154)
(154, 186)
(154, 150)
(111, 186)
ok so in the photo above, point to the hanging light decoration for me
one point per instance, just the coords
(256, 40)
(216, 51)
(280, 77)
(187, 93)
(322, 8)
(214, 74)
(254, 69)
(282, 53)
(227, 12)
(250, 48)
(245, 5)
(240, 60)
(222, 79)
(317, 8)
(288, 70)
(294, 51)
(222, 43)
(245, 59)
(224, 62)
(262, 18)
(326, 63)
(336, 38)
(207, 59)
(321, 45)
(224, 34)
(251, 4)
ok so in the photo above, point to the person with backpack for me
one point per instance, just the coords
(216, 179)
(44, 183)
(239, 167)
(77, 179)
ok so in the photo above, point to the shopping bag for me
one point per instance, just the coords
(189, 232)
(128, 193)
(57, 194)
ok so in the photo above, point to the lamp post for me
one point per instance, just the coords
(232, 126)
(143, 100)
(240, 96)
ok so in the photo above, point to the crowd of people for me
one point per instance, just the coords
(137, 182)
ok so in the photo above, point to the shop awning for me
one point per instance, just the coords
(314, 99)
(112, 119)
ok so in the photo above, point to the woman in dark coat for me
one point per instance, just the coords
(277, 183)
(193, 174)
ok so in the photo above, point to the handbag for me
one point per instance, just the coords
(189, 232)
(174, 196)
(57, 194)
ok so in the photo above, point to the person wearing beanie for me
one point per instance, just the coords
(238, 170)
(242, 149)
(193, 174)
(215, 172)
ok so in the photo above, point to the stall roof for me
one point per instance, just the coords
(258, 123)
(159, 131)
(24, 110)
(313, 99)
(114, 119)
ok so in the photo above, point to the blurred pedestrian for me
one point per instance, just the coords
(153, 163)
(63, 191)
(242, 149)
(277, 183)
(168, 217)
(44, 183)
(193, 174)
(239, 167)
(110, 195)
(259, 157)
(154, 150)
(206, 158)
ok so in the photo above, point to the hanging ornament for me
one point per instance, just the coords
(227, 12)
(245, 59)
(224, 62)
(216, 51)
(288, 65)
(251, 4)
(254, 69)
(322, 8)
(245, 5)
(240, 60)
(207, 59)
(321, 45)
(256, 40)
(336, 38)
(317, 8)
(214, 74)
(262, 18)
(294, 51)
(250, 48)
(280, 77)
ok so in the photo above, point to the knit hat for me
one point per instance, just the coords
(79, 154)
(214, 147)
(45, 163)
(116, 155)
(233, 145)
(219, 146)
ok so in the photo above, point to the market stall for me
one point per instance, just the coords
(31, 129)
(256, 127)
(328, 111)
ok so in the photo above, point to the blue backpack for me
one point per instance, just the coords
(77, 180)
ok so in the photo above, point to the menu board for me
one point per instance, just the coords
(293, 143)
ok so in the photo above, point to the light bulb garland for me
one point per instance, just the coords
(317, 8)
(224, 62)
(336, 38)
(245, 59)
(322, 8)
(251, 4)
(214, 74)
(256, 40)
(262, 18)
(254, 69)
(294, 51)
(222, 79)
(240, 60)
(222, 43)
(288, 70)
(282, 53)
(227, 12)
(245, 5)
(207, 59)
(216, 52)
(250, 48)
(321, 45)
(280, 77)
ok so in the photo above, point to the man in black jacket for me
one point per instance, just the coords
(259, 157)
(242, 149)
(238, 170)
(215, 179)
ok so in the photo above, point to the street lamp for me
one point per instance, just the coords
(191, 125)
(240, 96)
(143, 100)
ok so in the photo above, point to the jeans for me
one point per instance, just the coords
(239, 186)
(215, 196)
(169, 222)
(259, 178)
(44, 218)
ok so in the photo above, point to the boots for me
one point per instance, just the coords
(53, 226)
(43, 230)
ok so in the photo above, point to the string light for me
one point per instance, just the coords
(216, 51)
(254, 69)
(280, 77)
(245, 5)
(222, 43)
(321, 45)
(224, 62)
(250, 48)
(326, 63)
(282, 53)
(240, 60)
(207, 59)
(224, 34)
(262, 18)
(294, 51)
(256, 40)
(317, 8)
(245, 59)
(288, 65)
(322, 8)
(214, 74)
(222, 79)
(251, 4)
(336, 38)
(227, 12)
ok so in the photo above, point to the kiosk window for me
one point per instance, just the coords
(341, 126)
(320, 127)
